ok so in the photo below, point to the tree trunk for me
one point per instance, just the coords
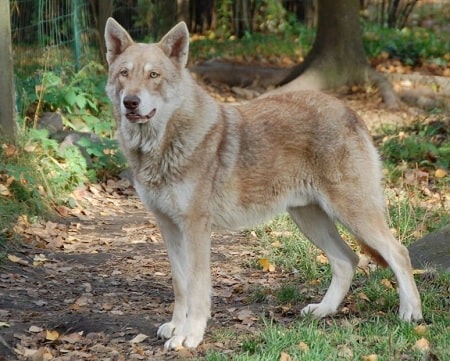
(102, 10)
(183, 13)
(7, 101)
(337, 57)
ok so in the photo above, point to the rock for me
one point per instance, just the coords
(433, 250)
(51, 121)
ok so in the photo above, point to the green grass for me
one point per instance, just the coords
(372, 328)
(344, 339)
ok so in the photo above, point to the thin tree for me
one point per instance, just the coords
(7, 100)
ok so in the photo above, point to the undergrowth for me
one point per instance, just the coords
(47, 162)
(411, 46)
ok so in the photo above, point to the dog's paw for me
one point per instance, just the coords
(318, 310)
(166, 330)
(410, 313)
(177, 342)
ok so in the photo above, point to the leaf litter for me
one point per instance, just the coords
(95, 285)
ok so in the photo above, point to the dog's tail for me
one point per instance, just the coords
(374, 255)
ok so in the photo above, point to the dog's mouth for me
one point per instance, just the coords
(138, 118)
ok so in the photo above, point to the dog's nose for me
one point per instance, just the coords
(131, 102)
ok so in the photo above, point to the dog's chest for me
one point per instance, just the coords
(174, 200)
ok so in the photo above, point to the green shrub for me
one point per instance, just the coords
(37, 172)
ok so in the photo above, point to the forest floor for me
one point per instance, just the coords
(95, 283)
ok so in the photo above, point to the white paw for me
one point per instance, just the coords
(318, 310)
(179, 341)
(410, 313)
(166, 330)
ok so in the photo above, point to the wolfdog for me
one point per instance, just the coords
(201, 166)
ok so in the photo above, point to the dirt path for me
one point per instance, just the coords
(84, 289)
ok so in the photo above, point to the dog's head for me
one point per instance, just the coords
(143, 78)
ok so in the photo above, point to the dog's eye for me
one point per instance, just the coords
(153, 74)
(124, 72)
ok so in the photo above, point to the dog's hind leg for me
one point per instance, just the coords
(317, 226)
(366, 220)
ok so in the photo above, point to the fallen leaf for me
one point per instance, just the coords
(71, 337)
(35, 329)
(39, 260)
(107, 306)
(315, 282)
(303, 346)
(42, 354)
(322, 259)
(387, 283)
(285, 357)
(423, 344)
(33, 353)
(87, 287)
(139, 338)
(420, 329)
(40, 303)
(277, 244)
(30, 148)
(4, 191)
(371, 357)
(440, 173)
(345, 352)
(246, 316)
(137, 349)
(51, 335)
(266, 265)
(82, 301)
(419, 271)
(363, 296)
(18, 260)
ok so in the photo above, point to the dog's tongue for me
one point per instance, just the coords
(151, 114)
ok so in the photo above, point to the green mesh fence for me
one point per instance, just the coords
(52, 32)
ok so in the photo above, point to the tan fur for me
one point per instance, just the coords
(200, 165)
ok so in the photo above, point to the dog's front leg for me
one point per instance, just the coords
(173, 239)
(189, 256)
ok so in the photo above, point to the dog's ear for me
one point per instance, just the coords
(176, 44)
(117, 40)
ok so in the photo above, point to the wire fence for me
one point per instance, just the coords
(58, 33)
(52, 32)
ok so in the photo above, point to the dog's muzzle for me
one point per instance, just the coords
(131, 104)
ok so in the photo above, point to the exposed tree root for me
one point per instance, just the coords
(426, 92)
(240, 74)
(387, 92)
